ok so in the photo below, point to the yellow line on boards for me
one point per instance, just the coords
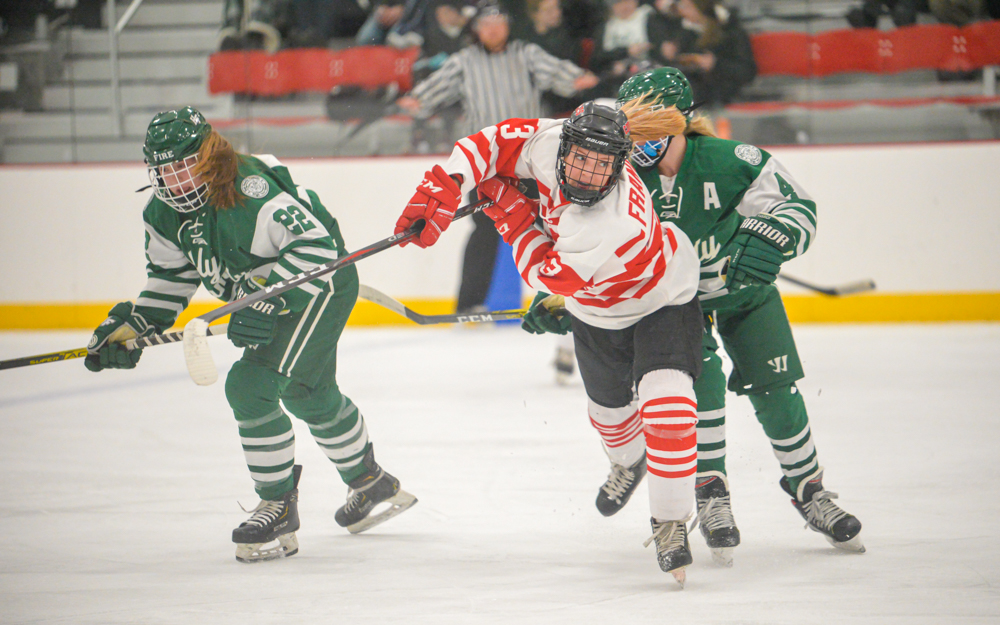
(863, 308)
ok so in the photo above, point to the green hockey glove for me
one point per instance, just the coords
(540, 319)
(254, 325)
(106, 349)
(761, 244)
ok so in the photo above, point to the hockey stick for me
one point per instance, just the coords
(197, 355)
(377, 297)
(69, 354)
(850, 288)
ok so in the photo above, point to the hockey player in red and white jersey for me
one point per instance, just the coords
(629, 285)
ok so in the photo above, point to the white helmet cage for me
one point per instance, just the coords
(169, 179)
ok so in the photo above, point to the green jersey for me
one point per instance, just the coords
(276, 230)
(719, 183)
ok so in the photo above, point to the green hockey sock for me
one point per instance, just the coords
(712, 441)
(782, 412)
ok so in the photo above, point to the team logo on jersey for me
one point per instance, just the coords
(748, 153)
(255, 187)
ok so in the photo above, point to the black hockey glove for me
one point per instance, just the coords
(540, 319)
(761, 244)
(106, 349)
(255, 324)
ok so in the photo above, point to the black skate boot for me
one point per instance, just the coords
(565, 364)
(715, 515)
(367, 491)
(824, 516)
(622, 482)
(672, 549)
(271, 519)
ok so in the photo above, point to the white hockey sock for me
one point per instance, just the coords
(620, 430)
(669, 414)
(346, 449)
(264, 454)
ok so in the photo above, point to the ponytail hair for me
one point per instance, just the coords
(649, 121)
(218, 164)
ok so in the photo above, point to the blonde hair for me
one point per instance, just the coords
(649, 121)
(218, 164)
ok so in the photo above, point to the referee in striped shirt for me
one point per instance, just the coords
(495, 79)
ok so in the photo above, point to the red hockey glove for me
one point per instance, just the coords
(435, 202)
(512, 212)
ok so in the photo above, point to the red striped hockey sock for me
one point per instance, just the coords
(620, 430)
(669, 415)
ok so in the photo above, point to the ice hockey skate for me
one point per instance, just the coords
(565, 364)
(672, 549)
(366, 492)
(271, 520)
(622, 482)
(822, 515)
(715, 516)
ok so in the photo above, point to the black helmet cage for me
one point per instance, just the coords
(599, 129)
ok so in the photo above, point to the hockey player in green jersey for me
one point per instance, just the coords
(746, 215)
(235, 223)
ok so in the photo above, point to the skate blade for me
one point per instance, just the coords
(249, 553)
(398, 504)
(680, 576)
(853, 545)
(723, 556)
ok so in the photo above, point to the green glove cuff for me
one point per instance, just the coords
(106, 349)
(761, 245)
(540, 320)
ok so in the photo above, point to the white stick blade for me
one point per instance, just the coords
(197, 355)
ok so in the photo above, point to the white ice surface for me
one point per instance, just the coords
(119, 492)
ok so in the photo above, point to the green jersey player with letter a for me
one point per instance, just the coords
(746, 215)
(235, 223)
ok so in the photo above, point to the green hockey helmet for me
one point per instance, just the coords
(171, 151)
(668, 86)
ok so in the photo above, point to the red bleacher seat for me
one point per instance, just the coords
(308, 69)
(927, 46)
(842, 51)
(586, 51)
(782, 53)
(931, 46)
(983, 39)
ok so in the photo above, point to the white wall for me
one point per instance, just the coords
(921, 218)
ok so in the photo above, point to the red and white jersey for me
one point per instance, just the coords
(614, 262)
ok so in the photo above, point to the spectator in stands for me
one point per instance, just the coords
(409, 31)
(622, 44)
(584, 17)
(712, 49)
(385, 15)
(270, 22)
(319, 21)
(958, 12)
(668, 35)
(902, 12)
(495, 79)
(447, 31)
(545, 27)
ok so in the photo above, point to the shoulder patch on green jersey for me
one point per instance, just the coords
(255, 187)
(749, 153)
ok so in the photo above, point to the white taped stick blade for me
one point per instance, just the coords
(198, 357)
